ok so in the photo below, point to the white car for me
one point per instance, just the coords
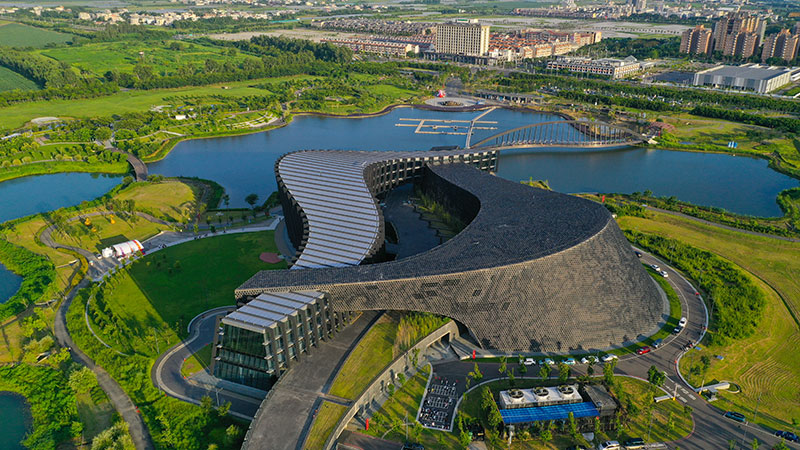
(664, 274)
(609, 445)
(569, 361)
(549, 362)
(584, 360)
(528, 361)
(608, 358)
(682, 322)
(655, 267)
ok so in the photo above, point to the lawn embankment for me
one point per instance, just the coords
(18, 35)
(392, 335)
(324, 423)
(145, 308)
(10, 80)
(200, 360)
(373, 353)
(764, 363)
(185, 280)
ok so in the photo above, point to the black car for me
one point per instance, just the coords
(788, 435)
(410, 446)
(634, 443)
(638, 254)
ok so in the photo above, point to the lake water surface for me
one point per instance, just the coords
(16, 414)
(245, 164)
(9, 284)
(29, 195)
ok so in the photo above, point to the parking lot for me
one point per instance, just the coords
(439, 403)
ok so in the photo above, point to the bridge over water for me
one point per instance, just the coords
(561, 134)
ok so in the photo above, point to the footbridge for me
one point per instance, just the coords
(561, 133)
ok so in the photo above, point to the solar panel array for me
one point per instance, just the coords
(267, 309)
(554, 412)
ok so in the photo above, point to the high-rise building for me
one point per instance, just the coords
(696, 40)
(782, 45)
(462, 38)
(639, 5)
(728, 33)
(742, 45)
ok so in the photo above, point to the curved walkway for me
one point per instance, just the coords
(122, 403)
(166, 372)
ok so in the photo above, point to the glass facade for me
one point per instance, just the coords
(257, 358)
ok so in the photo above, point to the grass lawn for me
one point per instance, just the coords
(373, 353)
(19, 35)
(197, 362)
(403, 406)
(95, 411)
(98, 58)
(326, 420)
(103, 233)
(642, 395)
(10, 80)
(170, 200)
(185, 280)
(147, 333)
(15, 116)
(764, 363)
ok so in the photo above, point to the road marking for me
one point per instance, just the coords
(692, 397)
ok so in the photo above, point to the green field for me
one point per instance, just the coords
(373, 353)
(18, 35)
(10, 80)
(15, 116)
(326, 420)
(98, 58)
(185, 280)
(764, 364)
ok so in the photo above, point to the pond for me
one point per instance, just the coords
(9, 284)
(245, 164)
(29, 195)
(16, 423)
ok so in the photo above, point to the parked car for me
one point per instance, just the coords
(657, 343)
(664, 274)
(788, 435)
(609, 445)
(633, 443)
(549, 361)
(642, 350)
(682, 322)
(733, 415)
(528, 361)
(608, 358)
(569, 361)
(638, 254)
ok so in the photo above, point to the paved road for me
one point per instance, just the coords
(285, 417)
(122, 403)
(712, 430)
(166, 371)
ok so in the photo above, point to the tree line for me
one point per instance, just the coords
(737, 303)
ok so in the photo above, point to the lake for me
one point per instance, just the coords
(9, 284)
(29, 195)
(16, 414)
(245, 164)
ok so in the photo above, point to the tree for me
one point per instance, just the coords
(608, 371)
(563, 372)
(544, 372)
(476, 374)
(232, 434)
(251, 200)
(416, 432)
(523, 369)
(755, 444)
(127, 180)
(82, 381)
(511, 377)
(780, 446)
(573, 425)
(546, 435)
(655, 376)
(102, 133)
(503, 367)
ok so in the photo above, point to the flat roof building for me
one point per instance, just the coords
(462, 38)
(749, 77)
(614, 68)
